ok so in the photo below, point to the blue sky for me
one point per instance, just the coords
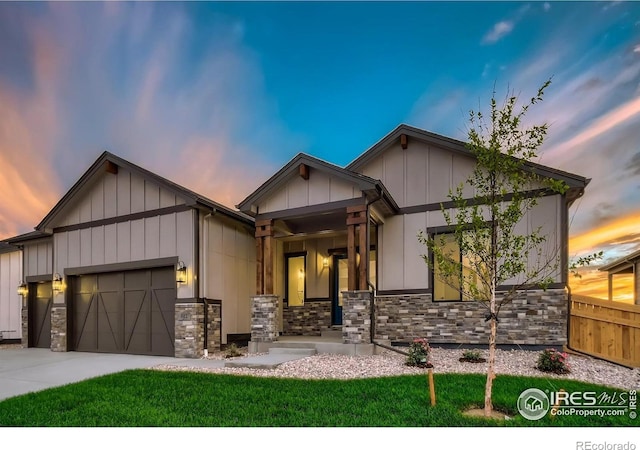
(218, 96)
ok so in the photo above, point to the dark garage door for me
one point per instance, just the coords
(40, 298)
(124, 312)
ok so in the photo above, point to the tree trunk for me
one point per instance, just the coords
(491, 370)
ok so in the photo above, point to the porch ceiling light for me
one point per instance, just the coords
(181, 272)
(57, 283)
(23, 289)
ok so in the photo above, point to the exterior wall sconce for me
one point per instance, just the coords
(57, 283)
(325, 262)
(181, 272)
(23, 289)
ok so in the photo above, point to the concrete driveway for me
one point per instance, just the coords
(25, 370)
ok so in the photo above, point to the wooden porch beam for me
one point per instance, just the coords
(351, 257)
(364, 257)
(268, 265)
(259, 266)
(304, 171)
(404, 141)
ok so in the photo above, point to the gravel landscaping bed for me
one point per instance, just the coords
(512, 362)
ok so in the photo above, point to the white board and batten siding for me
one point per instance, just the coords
(38, 258)
(10, 301)
(113, 195)
(228, 265)
(318, 189)
(423, 175)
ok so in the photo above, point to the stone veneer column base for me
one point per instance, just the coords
(59, 328)
(214, 326)
(264, 323)
(189, 338)
(356, 317)
(25, 326)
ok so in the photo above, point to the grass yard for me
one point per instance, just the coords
(183, 399)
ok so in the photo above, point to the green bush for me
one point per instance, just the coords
(419, 351)
(232, 351)
(472, 356)
(551, 360)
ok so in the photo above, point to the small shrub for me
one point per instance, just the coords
(232, 351)
(472, 356)
(551, 360)
(419, 351)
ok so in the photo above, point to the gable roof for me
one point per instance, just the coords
(192, 199)
(366, 184)
(620, 262)
(456, 146)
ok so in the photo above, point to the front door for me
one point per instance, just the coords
(340, 277)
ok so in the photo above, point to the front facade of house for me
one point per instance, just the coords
(129, 262)
(338, 247)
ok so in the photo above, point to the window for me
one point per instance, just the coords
(295, 279)
(449, 290)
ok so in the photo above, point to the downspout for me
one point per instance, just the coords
(374, 290)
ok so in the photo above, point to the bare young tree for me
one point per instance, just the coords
(486, 248)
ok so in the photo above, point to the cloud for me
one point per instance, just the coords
(142, 81)
(546, 6)
(499, 30)
(634, 164)
(636, 49)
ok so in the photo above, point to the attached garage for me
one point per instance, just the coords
(124, 312)
(141, 266)
(40, 302)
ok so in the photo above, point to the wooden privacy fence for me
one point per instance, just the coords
(607, 330)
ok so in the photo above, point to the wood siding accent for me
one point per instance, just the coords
(607, 330)
(264, 257)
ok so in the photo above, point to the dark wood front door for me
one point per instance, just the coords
(40, 299)
(340, 284)
(125, 312)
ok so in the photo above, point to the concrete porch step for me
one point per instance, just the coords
(332, 333)
(265, 362)
(302, 351)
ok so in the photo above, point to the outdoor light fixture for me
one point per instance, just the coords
(181, 272)
(57, 283)
(325, 262)
(23, 289)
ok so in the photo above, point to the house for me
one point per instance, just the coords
(129, 262)
(626, 265)
(337, 247)
(10, 279)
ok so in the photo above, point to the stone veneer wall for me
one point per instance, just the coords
(534, 317)
(356, 317)
(264, 325)
(189, 330)
(25, 326)
(310, 319)
(59, 328)
(214, 326)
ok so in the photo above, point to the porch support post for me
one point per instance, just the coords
(610, 286)
(351, 257)
(357, 216)
(264, 257)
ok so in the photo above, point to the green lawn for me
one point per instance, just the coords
(178, 399)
